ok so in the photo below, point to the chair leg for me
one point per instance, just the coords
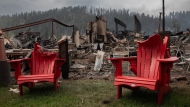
(31, 85)
(56, 84)
(163, 90)
(159, 97)
(135, 89)
(20, 89)
(28, 84)
(119, 92)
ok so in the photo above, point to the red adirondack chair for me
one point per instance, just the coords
(44, 67)
(151, 67)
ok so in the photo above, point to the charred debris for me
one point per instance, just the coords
(89, 52)
(98, 36)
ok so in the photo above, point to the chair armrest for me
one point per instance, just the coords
(57, 67)
(13, 62)
(59, 62)
(167, 62)
(16, 64)
(171, 59)
(165, 69)
(117, 62)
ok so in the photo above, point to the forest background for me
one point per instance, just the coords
(80, 15)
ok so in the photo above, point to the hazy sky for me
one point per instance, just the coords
(152, 7)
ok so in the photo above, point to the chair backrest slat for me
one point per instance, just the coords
(148, 53)
(155, 56)
(42, 62)
(147, 61)
(156, 52)
(139, 55)
(143, 52)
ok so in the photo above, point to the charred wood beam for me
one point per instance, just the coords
(36, 23)
(120, 22)
(137, 25)
(5, 35)
(117, 21)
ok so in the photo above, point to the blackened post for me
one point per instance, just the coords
(73, 29)
(73, 34)
(116, 28)
(4, 65)
(159, 23)
(91, 32)
(63, 53)
(51, 29)
(163, 25)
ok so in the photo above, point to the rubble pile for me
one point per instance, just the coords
(90, 60)
(84, 67)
